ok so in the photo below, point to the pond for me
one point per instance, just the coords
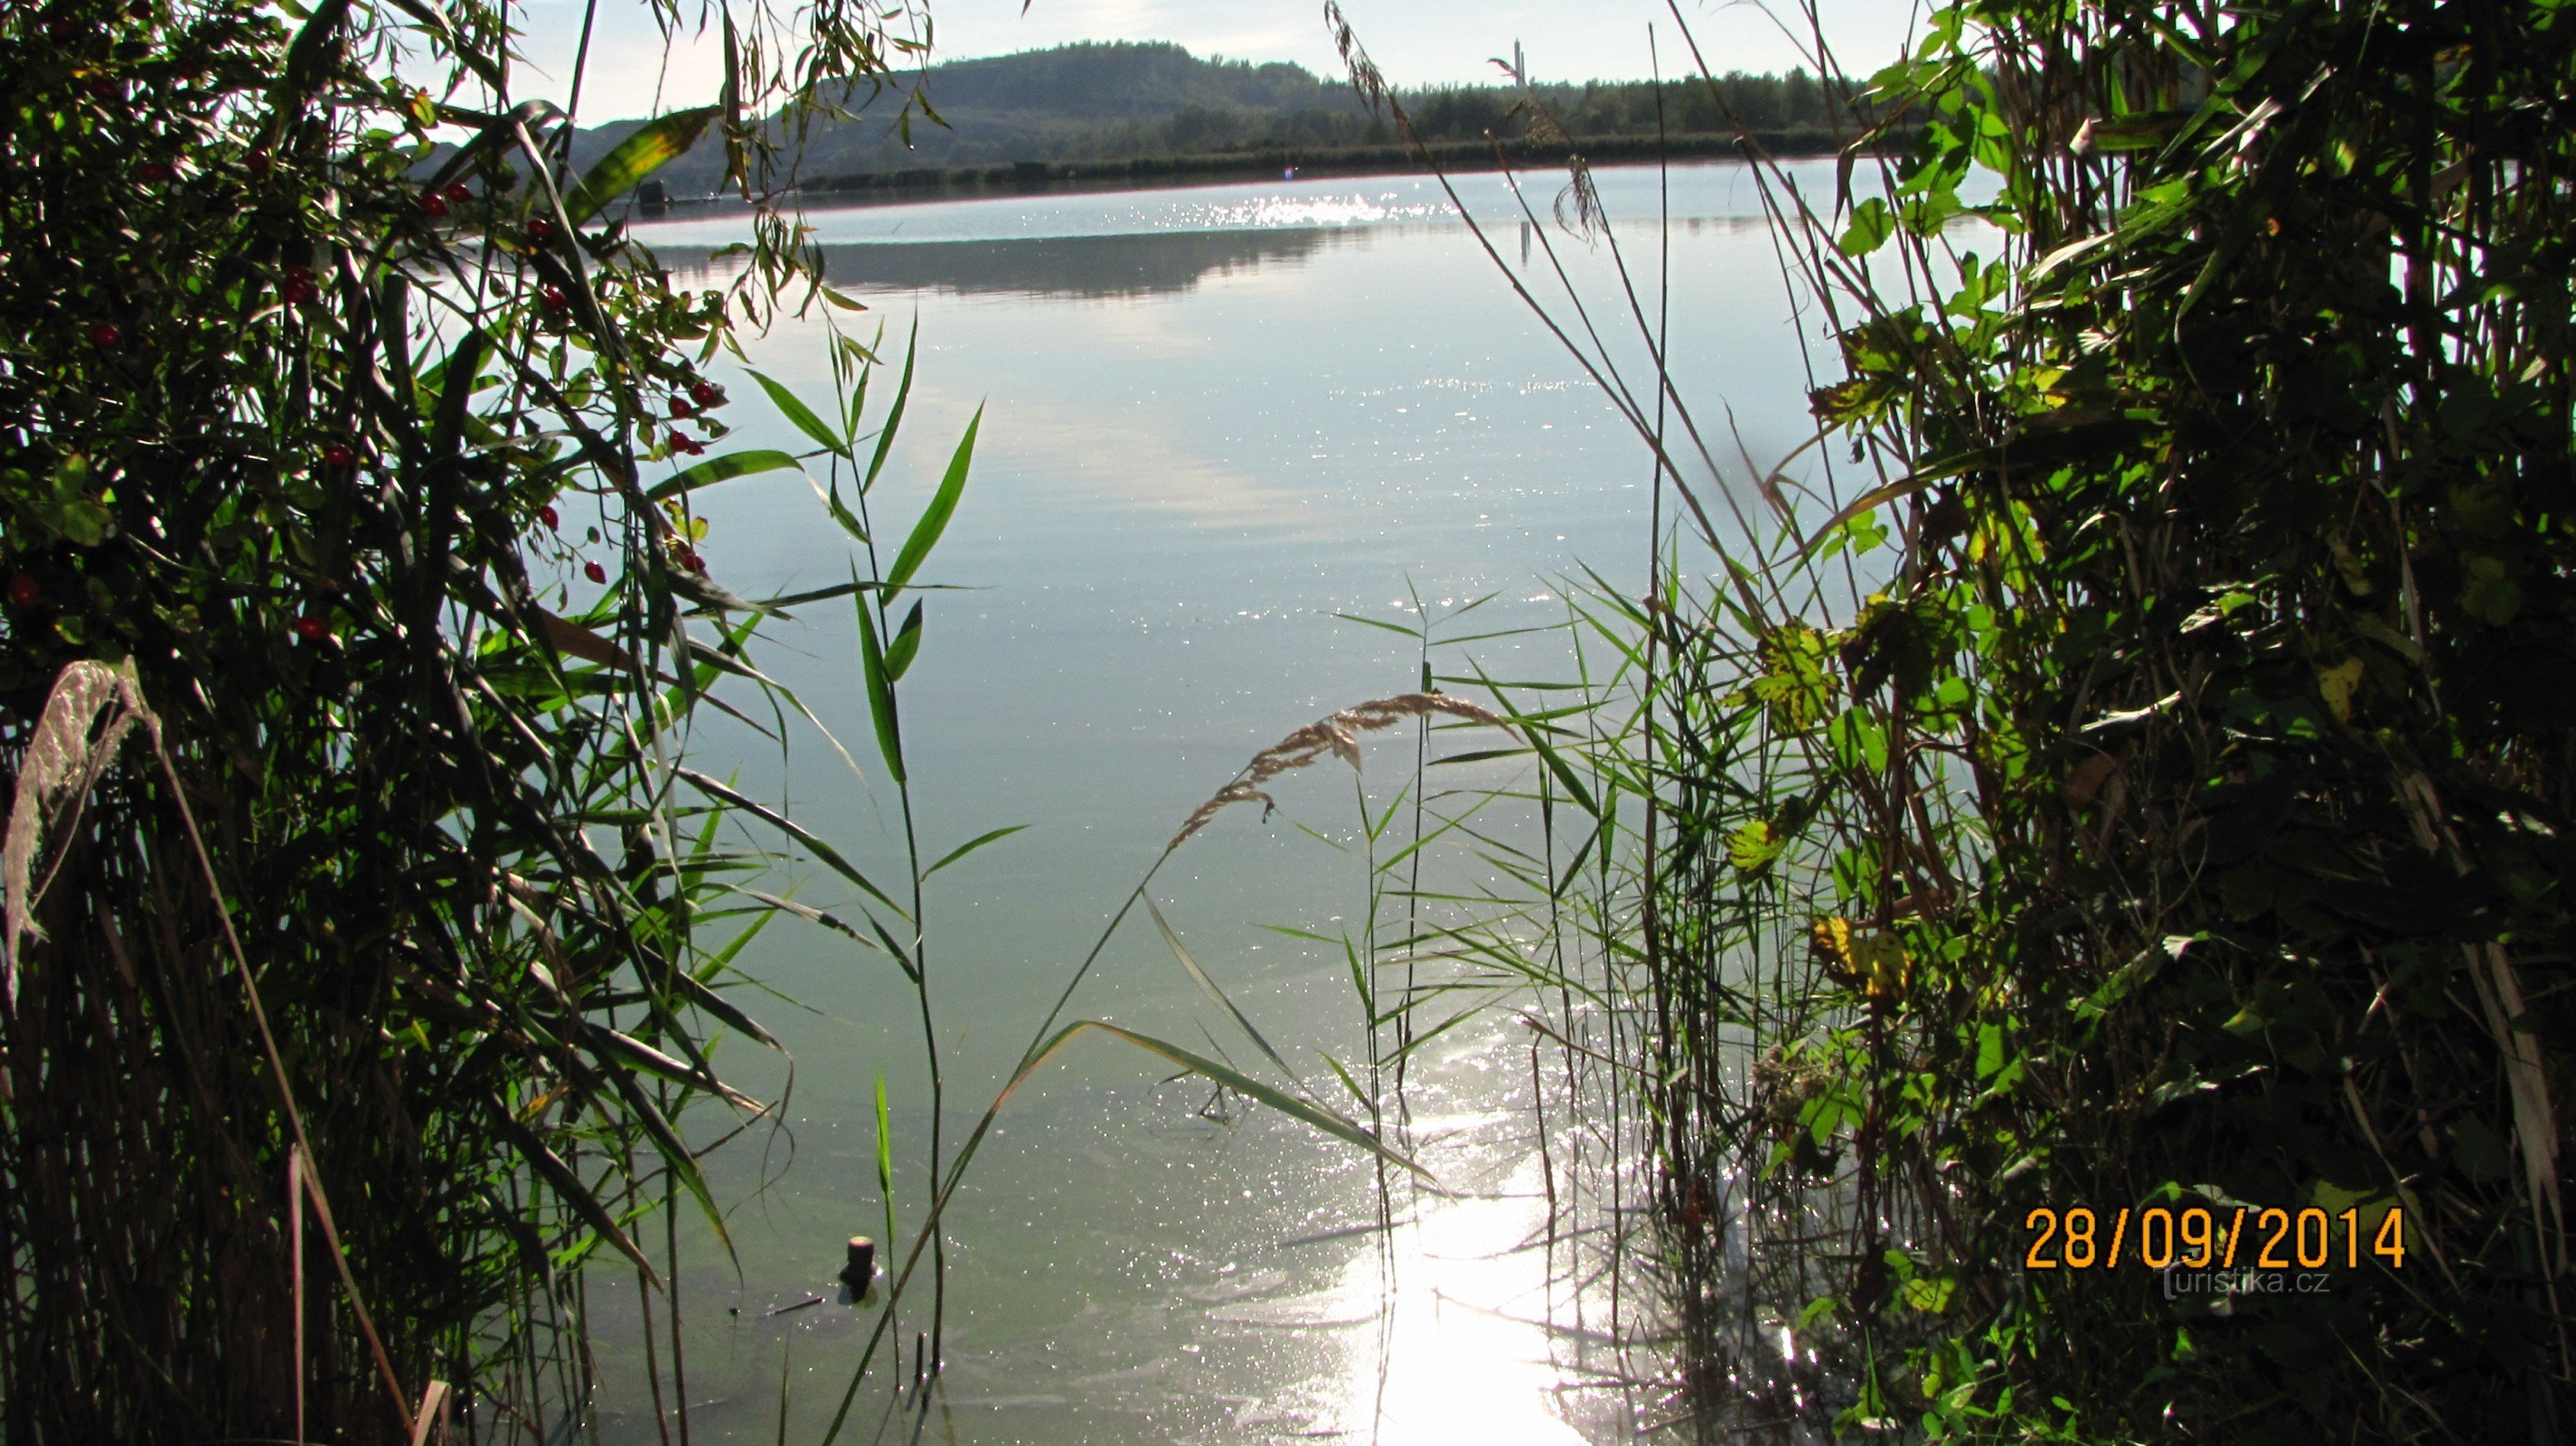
(1215, 420)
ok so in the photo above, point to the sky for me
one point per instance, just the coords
(1415, 42)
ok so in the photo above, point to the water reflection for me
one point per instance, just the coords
(1097, 268)
(1198, 448)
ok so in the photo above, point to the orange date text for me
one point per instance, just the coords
(2196, 1237)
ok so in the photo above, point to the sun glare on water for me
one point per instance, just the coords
(1462, 1351)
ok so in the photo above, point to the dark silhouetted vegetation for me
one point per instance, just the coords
(2104, 821)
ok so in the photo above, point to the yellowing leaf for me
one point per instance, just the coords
(1884, 964)
(654, 145)
(1753, 844)
(2338, 684)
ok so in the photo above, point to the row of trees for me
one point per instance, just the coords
(1128, 101)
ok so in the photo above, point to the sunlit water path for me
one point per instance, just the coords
(1215, 418)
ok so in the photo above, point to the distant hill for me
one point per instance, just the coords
(1076, 102)
(1123, 100)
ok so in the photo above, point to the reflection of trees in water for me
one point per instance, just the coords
(1160, 263)
(1060, 266)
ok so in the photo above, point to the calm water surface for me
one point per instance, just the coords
(1215, 418)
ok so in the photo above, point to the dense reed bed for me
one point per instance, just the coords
(368, 937)
(2116, 770)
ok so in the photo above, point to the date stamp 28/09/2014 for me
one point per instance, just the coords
(2237, 1246)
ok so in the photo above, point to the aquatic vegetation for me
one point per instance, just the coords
(350, 1021)
(2112, 783)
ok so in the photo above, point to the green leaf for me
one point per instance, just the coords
(830, 856)
(1871, 222)
(907, 642)
(885, 1160)
(1396, 628)
(724, 469)
(1990, 1051)
(704, 996)
(1753, 844)
(731, 101)
(943, 505)
(610, 1042)
(655, 145)
(894, 414)
(569, 1188)
(880, 689)
(970, 845)
(802, 415)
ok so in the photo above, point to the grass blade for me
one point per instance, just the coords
(894, 414)
(830, 856)
(1208, 986)
(724, 469)
(880, 689)
(1347, 1130)
(943, 505)
(885, 1165)
(802, 416)
(970, 845)
(907, 641)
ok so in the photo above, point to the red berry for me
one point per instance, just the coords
(693, 562)
(540, 230)
(457, 194)
(155, 172)
(594, 572)
(256, 162)
(433, 205)
(707, 394)
(337, 454)
(552, 519)
(298, 286)
(553, 298)
(23, 591)
(680, 406)
(107, 335)
(312, 629)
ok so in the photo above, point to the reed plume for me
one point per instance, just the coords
(1337, 734)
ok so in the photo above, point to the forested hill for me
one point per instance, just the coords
(1125, 100)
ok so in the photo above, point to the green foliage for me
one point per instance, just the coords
(2203, 745)
(344, 443)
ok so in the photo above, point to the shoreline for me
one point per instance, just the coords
(930, 183)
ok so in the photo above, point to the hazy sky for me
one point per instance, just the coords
(1413, 41)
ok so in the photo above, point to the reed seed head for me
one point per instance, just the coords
(1338, 735)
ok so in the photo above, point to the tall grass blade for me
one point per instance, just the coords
(943, 505)
(800, 415)
(813, 842)
(1208, 986)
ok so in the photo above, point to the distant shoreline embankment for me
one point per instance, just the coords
(1304, 161)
